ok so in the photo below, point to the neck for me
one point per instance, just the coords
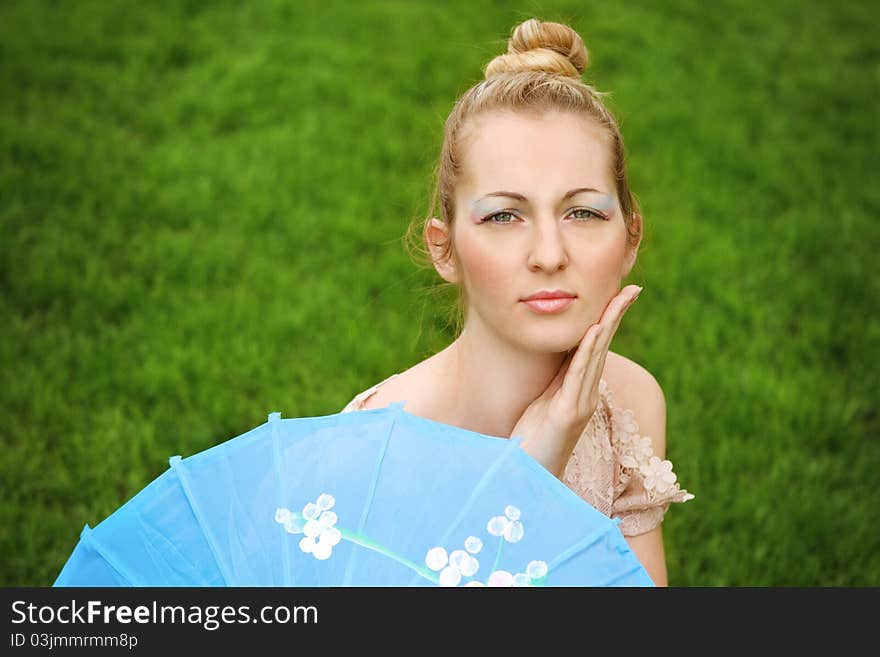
(489, 382)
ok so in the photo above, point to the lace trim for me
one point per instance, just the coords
(614, 468)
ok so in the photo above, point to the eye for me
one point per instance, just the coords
(498, 214)
(590, 214)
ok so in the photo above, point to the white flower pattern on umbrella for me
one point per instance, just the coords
(501, 578)
(317, 522)
(459, 564)
(535, 571)
(508, 525)
(453, 566)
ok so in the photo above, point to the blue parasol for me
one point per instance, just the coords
(376, 497)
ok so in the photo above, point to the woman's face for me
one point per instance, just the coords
(551, 239)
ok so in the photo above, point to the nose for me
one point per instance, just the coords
(548, 250)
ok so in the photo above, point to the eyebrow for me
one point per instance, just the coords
(520, 197)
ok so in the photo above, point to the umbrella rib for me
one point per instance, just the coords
(377, 468)
(177, 466)
(274, 419)
(635, 570)
(509, 448)
(577, 548)
(152, 539)
(91, 541)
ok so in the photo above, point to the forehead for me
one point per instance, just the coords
(554, 150)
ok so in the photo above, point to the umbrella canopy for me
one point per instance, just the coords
(377, 497)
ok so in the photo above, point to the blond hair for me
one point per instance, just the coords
(541, 71)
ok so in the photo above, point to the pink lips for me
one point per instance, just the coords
(549, 301)
(544, 306)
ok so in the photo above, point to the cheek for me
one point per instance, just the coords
(486, 270)
(602, 259)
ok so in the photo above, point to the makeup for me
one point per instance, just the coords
(549, 306)
(602, 202)
(481, 208)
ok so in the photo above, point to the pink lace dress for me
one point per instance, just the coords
(612, 466)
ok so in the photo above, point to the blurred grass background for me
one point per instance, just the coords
(202, 204)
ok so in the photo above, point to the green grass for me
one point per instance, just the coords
(184, 189)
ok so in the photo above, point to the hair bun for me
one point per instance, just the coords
(542, 46)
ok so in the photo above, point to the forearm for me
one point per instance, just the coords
(648, 548)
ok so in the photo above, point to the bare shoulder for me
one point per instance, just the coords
(416, 385)
(386, 393)
(628, 378)
(636, 389)
(408, 385)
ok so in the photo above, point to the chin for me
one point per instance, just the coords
(551, 339)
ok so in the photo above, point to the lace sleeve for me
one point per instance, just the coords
(645, 486)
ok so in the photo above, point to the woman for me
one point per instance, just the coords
(534, 202)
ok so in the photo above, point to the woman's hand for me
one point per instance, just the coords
(552, 424)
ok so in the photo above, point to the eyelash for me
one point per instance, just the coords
(488, 219)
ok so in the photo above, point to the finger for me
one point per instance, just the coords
(592, 376)
(590, 355)
(574, 379)
(619, 304)
(613, 314)
(555, 384)
(615, 311)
